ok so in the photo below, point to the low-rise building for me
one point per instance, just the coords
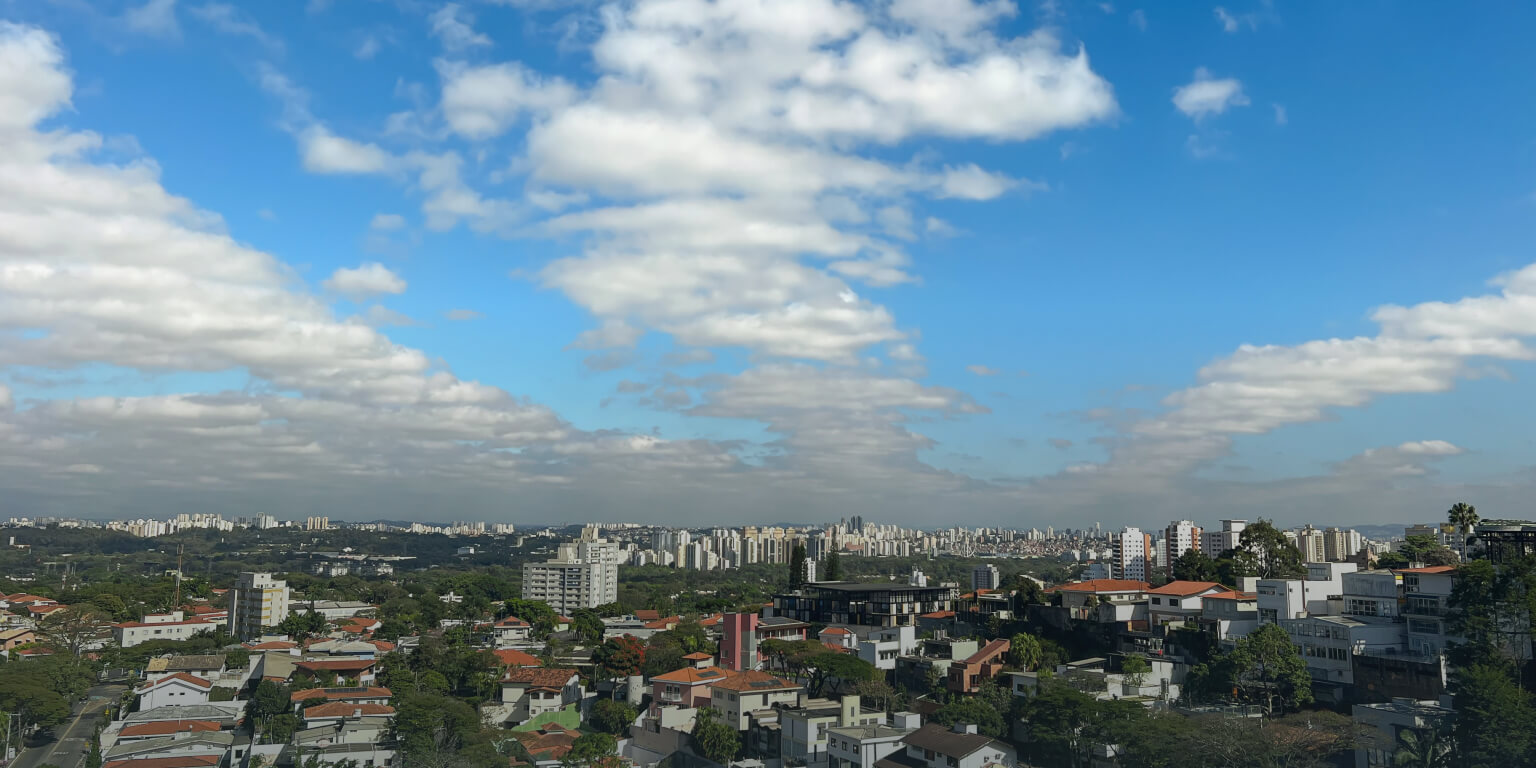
(968, 675)
(1426, 598)
(881, 604)
(1179, 602)
(531, 692)
(862, 746)
(180, 689)
(1381, 728)
(803, 729)
(162, 626)
(686, 687)
(738, 695)
(934, 746)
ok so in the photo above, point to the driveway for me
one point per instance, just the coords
(72, 741)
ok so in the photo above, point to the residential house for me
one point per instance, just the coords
(194, 750)
(511, 658)
(882, 646)
(206, 666)
(12, 638)
(510, 630)
(338, 609)
(862, 746)
(686, 687)
(738, 695)
(1371, 595)
(530, 692)
(1105, 600)
(1229, 616)
(160, 729)
(358, 695)
(354, 670)
(934, 746)
(177, 689)
(1179, 602)
(968, 675)
(335, 712)
(803, 729)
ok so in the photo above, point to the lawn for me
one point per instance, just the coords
(570, 717)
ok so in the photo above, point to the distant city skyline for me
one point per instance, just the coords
(1002, 264)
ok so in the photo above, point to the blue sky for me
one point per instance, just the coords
(698, 261)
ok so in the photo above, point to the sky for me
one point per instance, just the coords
(931, 262)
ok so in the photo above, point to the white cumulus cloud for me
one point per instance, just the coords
(1207, 95)
(365, 280)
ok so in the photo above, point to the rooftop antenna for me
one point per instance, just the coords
(177, 602)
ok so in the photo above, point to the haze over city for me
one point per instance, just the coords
(932, 262)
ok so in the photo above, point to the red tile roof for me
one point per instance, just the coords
(1427, 569)
(693, 675)
(336, 665)
(710, 621)
(182, 676)
(938, 615)
(1106, 585)
(1232, 596)
(340, 694)
(185, 761)
(989, 651)
(1185, 588)
(665, 623)
(552, 677)
(273, 645)
(511, 622)
(754, 680)
(647, 615)
(832, 631)
(697, 656)
(512, 657)
(168, 727)
(346, 709)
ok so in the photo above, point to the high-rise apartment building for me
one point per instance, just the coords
(256, 602)
(584, 574)
(1130, 554)
(1310, 542)
(985, 577)
(1341, 544)
(1179, 537)
(1215, 542)
(317, 523)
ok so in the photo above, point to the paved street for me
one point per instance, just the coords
(72, 741)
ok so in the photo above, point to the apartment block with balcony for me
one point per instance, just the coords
(1371, 595)
(256, 602)
(872, 605)
(1426, 594)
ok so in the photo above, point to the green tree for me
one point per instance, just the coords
(1428, 748)
(1495, 718)
(822, 668)
(1026, 592)
(833, 564)
(973, 711)
(612, 716)
(267, 700)
(714, 739)
(618, 658)
(1265, 669)
(1194, 565)
(74, 628)
(1025, 652)
(590, 748)
(1269, 554)
(1135, 669)
(302, 626)
(797, 572)
(880, 694)
(588, 626)
(1464, 517)
(1427, 549)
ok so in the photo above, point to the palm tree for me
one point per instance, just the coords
(1429, 748)
(1464, 517)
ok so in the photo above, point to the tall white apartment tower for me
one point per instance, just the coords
(1179, 537)
(257, 601)
(584, 574)
(1130, 554)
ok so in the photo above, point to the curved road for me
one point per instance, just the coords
(69, 750)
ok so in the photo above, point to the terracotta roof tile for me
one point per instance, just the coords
(754, 680)
(182, 676)
(167, 727)
(511, 657)
(540, 677)
(1106, 585)
(346, 709)
(341, 694)
(693, 675)
(1186, 588)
